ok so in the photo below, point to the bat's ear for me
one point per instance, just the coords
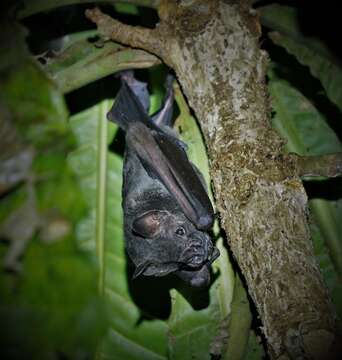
(149, 224)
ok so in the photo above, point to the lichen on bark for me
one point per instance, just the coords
(213, 47)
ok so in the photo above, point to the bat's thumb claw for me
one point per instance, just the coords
(205, 222)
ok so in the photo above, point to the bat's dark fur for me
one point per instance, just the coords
(166, 207)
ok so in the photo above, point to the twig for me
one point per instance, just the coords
(324, 165)
(134, 36)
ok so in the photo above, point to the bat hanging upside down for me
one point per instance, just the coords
(165, 203)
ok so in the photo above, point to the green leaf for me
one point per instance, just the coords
(255, 350)
(329, 74)
(82, 61)
(309, 51)
(327, 215)
(13, 47)
(157, 76)
(31, 99)
(36, 105)
(284, 19)
(332, 279)
(70, 39)
(239, 324)
(305, 129)
(128, 9)
(57, 317)
(127, 337)
(281, 18)
(307, 133)
(48, 306)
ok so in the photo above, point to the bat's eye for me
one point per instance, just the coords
(180, 231)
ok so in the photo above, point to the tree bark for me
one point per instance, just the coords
(213, 47)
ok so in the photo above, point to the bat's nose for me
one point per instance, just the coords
(197, 251)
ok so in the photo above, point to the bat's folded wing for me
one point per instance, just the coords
(171, 166)
(127, 109)
(163, 154)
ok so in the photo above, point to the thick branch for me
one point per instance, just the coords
(134, 36)
(213, 48)
(324, 165)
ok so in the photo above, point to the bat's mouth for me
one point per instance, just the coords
(197, 272)
(195, 255)
(199, 253)
(197, 258)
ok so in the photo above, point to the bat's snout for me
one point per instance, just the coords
(199, 250)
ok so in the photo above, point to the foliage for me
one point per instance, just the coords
(84, 59)
(310, 52)
(53, 291)
(308, 131)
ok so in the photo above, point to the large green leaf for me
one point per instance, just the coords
(48, 312)
(308, 51)
(333, 208)
(128, 8)
(32, 100)
(307, 133)
(12, 34)
(99, 173)
(305, 129)
(82, 61)
(48, 306)
(36, 105)
(285, 20)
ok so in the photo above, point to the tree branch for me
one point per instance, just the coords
(324, 165)
(213, 47)
(134, 36)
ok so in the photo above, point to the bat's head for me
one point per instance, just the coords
(167, 242)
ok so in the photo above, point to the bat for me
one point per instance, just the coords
(165, 204)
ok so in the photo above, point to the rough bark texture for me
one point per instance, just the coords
(263, 210)
(213, 48)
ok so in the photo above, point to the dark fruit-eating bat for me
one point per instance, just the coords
(165, 203)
